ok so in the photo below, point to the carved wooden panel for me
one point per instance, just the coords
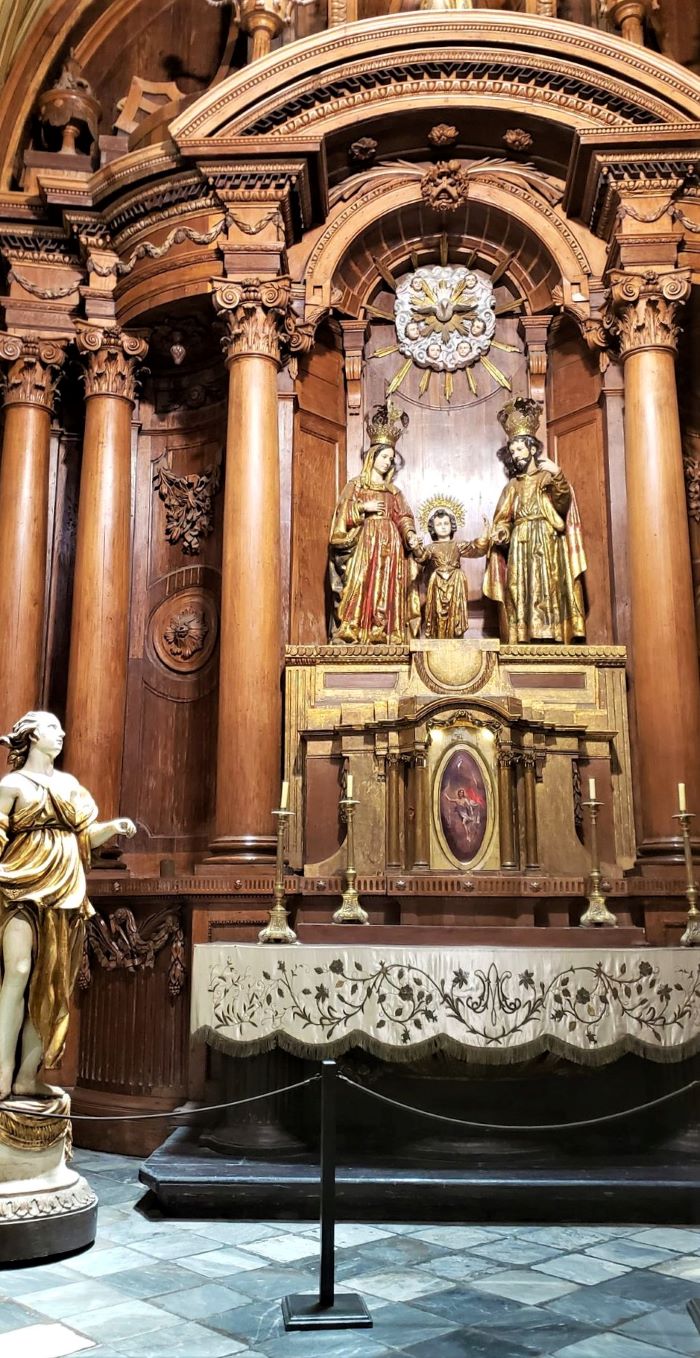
(577, 442)
(318, 474)
(173, 667)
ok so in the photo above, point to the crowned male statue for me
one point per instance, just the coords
(535, 557)
(372, 574)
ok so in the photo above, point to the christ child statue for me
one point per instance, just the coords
(446, 602)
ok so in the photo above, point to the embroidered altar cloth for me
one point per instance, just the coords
(479, 1004)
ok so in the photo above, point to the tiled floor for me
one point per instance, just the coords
(205, 1289)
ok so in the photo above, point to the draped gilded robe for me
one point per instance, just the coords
(538, 589)
(372, 577)
(42, 880)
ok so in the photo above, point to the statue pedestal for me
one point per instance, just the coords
(46, 1208)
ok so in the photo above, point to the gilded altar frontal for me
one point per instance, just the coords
(350, 664)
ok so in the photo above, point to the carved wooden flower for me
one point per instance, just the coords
(517, 139)
(363, 150)
(185, 634)
(443, 134)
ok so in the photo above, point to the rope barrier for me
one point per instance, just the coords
(175, 1113)
(522, 1127)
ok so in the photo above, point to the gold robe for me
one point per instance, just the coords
(538, 589)
(446, 599)
(42, 879)
(372, 577)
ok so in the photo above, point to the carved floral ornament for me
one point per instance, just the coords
(189, 504)
(643, 311)
(260, 319)
(691, 467)
(112, 356)
(34, 368)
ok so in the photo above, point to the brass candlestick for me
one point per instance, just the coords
(597, 912)
(350, 911)
(277, 929)
(691, 937)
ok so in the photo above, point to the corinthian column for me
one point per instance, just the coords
(24, 507)
(665, 681)
(250, 708)
(97, 670)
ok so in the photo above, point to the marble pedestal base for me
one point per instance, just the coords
(46, 1208)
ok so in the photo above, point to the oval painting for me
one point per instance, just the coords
(463, 806)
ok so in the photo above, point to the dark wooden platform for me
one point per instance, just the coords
(469, 936)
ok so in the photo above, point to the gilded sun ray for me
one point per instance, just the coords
(496, 373)
(399, 377)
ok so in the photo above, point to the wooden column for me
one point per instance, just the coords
(421, 836)
(665, 681)
(393, 811)
(264, 20)
(24, 507)
(506, 816)
(691, 465)
(250, 709)
(532, 857)
(630, 16)
(99, 643)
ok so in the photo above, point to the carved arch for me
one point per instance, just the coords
(570, 71)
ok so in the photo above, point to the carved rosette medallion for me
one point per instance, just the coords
(112, 358)
(445, 317)
(644, 308)
(260, 319)
(34, 369)
(183, 631)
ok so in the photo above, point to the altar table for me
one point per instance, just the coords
(479, 1004)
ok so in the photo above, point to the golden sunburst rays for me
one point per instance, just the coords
(508, 307)
(441, 500)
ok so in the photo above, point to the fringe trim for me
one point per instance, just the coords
(442, 1042)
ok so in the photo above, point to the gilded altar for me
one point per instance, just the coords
(466, 758)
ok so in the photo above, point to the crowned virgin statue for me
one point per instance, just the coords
(372, 574)
(535, 556)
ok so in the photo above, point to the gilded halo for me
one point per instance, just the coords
(440, 501)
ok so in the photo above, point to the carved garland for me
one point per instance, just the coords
(119, 945)
(177, 237)
(691, 467)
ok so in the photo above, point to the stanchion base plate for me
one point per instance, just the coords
(348, 1312)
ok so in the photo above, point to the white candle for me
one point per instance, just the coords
(591, 790)
(681, 797)
(284, 799)
(348, 787)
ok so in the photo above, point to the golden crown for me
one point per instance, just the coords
(446, 502)
(386, 425)
(521, 416)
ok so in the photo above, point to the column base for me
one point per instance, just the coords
(236, 851)
(665, 850)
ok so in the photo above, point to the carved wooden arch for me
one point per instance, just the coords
(332, 76)
(340, 266)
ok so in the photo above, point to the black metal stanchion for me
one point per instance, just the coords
(326, 1311)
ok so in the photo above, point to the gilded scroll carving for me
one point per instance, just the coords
(644, 308)
(112, 356)
(34, 368)
(189, 504)
(120, 944)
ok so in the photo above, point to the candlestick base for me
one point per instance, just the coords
(691, 937)
(597, 913)
(277, 930)
(350, 911)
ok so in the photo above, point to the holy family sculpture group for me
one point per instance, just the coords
(49, 824)
(533, 548)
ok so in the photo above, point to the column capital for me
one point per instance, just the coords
(112, 356)
(629, 16)
(643, 309)
(34, 368)
(260, 319)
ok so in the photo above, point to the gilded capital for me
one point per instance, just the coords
(260, 319)
(643, 310)
(34, 369)
(112, 357)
